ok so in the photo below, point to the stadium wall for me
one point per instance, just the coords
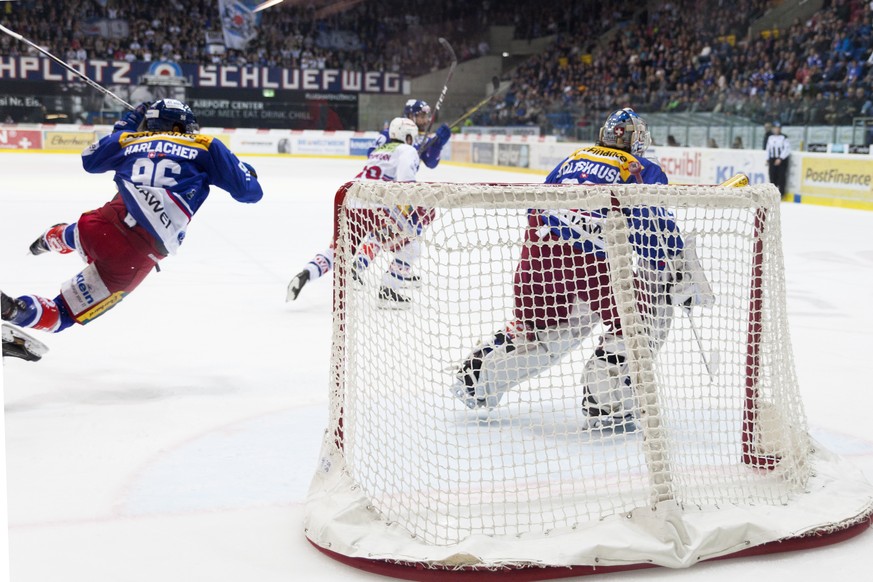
(832, 179)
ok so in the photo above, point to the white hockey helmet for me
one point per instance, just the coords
(403, 130)
(625, 130)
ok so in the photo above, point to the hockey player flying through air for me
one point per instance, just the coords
(562, 289)
(429, 149)
(162, 174)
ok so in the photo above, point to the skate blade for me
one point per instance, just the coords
(18, 344)
(389, 305)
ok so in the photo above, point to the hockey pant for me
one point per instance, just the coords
(120, 254)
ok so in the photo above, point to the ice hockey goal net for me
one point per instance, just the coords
(720, 463)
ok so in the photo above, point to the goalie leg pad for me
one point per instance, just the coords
(608, 392)
(513, 356)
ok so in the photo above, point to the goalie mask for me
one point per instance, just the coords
(418, 111)
(403, 130)
(625, 130)
(171, 115)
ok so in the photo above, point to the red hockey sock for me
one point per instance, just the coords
(54, 238)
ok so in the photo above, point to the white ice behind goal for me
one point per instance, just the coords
(721, 463)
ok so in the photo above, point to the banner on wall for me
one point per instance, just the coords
(284, 110)
(482, 153)
(113, 74)
(20, 139)
(513, 154)
(841, 178)
(68, 140)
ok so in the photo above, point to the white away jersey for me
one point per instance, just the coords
(392, 162)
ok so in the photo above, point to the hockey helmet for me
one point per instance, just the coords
(419, 112)
(170, 114)
(403, 130)
(625, 130)
(414, 107)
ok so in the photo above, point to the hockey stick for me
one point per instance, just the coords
(495, 84)
(79, 74)
(442, 96)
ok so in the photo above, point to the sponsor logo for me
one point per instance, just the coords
(101, 307)
(83, 288)
(157, 208)
(836, 176)
(68, 140)
(687, 164)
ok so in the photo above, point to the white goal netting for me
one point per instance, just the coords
(716, 457)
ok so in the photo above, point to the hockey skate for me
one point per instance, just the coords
(296, 285)
(616, 424)
(409, 281)
(388, 298)
(18, 344)
(609, 398)
(9, 307)
(468, 375)
(50, 239)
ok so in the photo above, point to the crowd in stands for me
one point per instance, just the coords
(373, 35)
(690, 56)
(673, 56)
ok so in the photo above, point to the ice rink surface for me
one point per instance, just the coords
(174, 438)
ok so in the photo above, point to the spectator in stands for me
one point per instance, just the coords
(738, 143)
(671, 142)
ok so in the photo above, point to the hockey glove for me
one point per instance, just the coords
(691, 287)
(430, 149)
(132, 120)
(443, 134)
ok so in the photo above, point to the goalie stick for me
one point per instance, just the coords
(79, 74)
(712, 360)
(18, 344)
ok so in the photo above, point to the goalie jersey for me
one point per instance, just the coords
(164, 178)
(655, 233)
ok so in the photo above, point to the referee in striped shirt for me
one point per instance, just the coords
(778, 151)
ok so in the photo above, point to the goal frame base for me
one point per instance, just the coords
(421, 573)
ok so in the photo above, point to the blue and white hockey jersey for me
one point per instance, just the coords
(164, 178)
(654, 233)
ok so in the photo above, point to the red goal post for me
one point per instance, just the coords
(412, 482)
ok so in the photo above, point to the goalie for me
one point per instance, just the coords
(561, 284)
